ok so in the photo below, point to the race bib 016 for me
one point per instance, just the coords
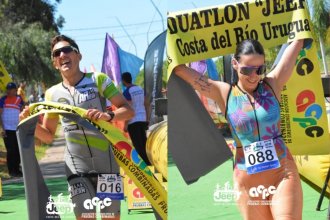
(110, 186)
(260, 156)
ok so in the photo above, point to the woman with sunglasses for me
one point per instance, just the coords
(264, 170)
(88, 154)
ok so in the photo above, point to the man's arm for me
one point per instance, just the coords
(123, 112)
(45, 131)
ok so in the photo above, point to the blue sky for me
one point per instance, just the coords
(88, 21)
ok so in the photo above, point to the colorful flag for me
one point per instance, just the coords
(153, 63)
(212, 70)
(153, 72)
(117, 61)
(199, 66)
(110, 63)
(129, 63)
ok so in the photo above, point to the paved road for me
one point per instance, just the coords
(52, 164)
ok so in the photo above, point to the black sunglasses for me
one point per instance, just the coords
(248, 70)
(66, 50)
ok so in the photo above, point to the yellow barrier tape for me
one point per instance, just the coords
(4, 77)
(124, 152)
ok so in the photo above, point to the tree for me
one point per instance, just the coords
(26, 28)
(32, 11)
(320, 13)
(25, 51)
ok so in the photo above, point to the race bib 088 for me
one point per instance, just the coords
(260, 156)
(110, 186)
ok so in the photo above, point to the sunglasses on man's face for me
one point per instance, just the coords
(66, 50)
(248, 70)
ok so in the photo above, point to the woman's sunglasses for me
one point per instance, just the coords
(66, 50)
(248, 70)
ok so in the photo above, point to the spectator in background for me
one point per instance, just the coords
(138, 125)
(10, 108)
(21, 91)
(41, 97)
(33, 97)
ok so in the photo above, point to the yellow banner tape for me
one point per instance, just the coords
(124, 152)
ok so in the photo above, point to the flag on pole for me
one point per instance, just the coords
(129, 63)
(153, 73)
(212, 70)
(110, 63)
(117, 61)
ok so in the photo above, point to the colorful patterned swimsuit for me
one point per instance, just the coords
(250, 122)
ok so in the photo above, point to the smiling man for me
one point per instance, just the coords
(88, 154)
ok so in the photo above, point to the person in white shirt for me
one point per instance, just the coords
(138, 125)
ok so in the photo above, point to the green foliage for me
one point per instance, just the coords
(321, 17)
(140, 77)
(25, 51)
(164, 78)
(219, 65)
(60, 21)
(271, 54)
(26, 28)
(17, 11)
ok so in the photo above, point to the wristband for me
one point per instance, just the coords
(111, 114)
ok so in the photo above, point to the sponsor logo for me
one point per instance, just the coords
(77, 189)
(264, 193)
(226, 193)
(95, 202)
(86, 96)
(62, 205)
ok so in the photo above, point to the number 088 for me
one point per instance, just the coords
(260, 157)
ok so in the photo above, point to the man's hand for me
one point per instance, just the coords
(25, 113)
(3, 133)
(94, 114)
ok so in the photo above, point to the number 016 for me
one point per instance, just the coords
(104, 186)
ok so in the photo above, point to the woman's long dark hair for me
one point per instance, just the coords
(246, 47)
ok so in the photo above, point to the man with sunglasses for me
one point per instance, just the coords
(88, 155)
(252, 109)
